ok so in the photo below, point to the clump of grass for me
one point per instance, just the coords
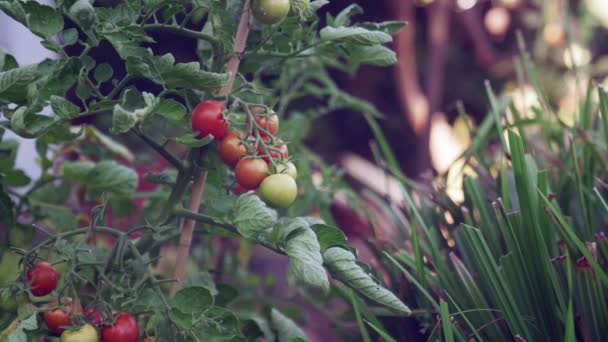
(525, 255)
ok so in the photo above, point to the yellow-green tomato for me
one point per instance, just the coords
(278, 190)
(270, 11)
(85, 334)
(287, 168)
(298, 6)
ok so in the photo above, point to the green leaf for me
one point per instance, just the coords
(69, 37)
(354, 35)
(329, 236)
(30, 125)
(192, 140)
(7, 61)
(15, 10)
(8, 154)
(43, 20)
(77, 170)
(60, 218)
(14, 81)
(104, 176)
(342, 265)
(171, 110)
(188, 75)
(113, 177)
(305, 260)
(7, 215)
(191, 300)
(374, 55)
(122, 120)
(286, 329)
(103, 72)
(143, 66)
(110, 144)
(64, 108)
(343, 18)
(226, 295)
(390, 27)
(16, 178)
(252, 216)
(217, 324)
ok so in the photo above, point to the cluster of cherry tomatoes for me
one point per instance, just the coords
(43, 278)
(259, 159)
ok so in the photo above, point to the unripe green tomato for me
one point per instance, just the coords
(85, 334)
(278, 190)
(298, 6)
(287, 168)
(270, 11)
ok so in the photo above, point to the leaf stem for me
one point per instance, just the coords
(119, 87)
(160, 150)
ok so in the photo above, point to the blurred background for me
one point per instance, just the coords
(445, 53)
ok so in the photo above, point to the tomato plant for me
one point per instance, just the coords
(151, 130)
(124, 329)
(43, 278)
(86, 333)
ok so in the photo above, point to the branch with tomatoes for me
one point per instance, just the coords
(222, 168)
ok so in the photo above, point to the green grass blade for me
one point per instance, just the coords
(362, 327)
(604, 112)
(446, 321)
(407, 274)
(380, 332)
(580, 245)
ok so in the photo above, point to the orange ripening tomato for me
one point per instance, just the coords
(251, 172)
(231, 149)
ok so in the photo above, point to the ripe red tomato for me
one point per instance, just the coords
(231, 149)
(124, 329)
(85, 334)
(270, 11)
(279, 190)
(207, 119)
(274, 154)
(251, 172)
(43, 278)
(58, 318)
(268, 121)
